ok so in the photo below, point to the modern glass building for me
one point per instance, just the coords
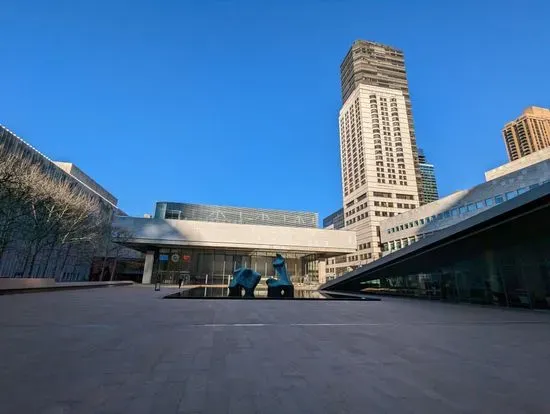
(237, 215)
(335, 220)
(428, 187)
(206, 252)
(497, 257)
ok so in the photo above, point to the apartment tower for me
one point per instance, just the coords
(377, 147)
(528, 133)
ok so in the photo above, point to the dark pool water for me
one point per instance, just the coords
(299, 294)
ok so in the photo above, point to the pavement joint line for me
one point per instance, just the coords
(237, 325)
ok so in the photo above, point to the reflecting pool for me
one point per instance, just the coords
(209, 292)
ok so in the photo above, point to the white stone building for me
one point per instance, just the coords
(378, 173)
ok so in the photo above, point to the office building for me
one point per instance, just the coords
(497, 257)
(529, 133)
(63, 261)
(205, 251)
(237, 215)
(411, 226)
(86, 180)
(378, 153)
(378, 175)
(335, 220)
(428, 184)
(376, 64)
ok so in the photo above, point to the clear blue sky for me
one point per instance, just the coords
(236, 102)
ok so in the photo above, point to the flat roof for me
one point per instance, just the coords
(261, 209)
(147, 233)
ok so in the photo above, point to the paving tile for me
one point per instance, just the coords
(127, 350)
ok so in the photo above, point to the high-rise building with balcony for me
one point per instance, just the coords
(529, 133)
(428, 189)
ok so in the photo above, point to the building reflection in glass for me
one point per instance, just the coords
(506, 264)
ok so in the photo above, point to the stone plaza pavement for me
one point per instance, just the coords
(126, 350)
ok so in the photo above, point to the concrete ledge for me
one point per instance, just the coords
(11, 286)
(25, 283)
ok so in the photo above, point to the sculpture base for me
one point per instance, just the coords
(240, 292)
(282, 291)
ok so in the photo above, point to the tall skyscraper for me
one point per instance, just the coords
(375, 64)
(377, 148)
(528, 133)
(428, 190)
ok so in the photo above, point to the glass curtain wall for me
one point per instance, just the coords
(216, 267)
(508, 265)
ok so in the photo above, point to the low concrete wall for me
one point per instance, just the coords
(8, 286)
(25, 283)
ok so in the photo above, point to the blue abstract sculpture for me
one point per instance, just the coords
(244, 279)
(282, 286)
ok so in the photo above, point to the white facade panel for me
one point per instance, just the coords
(159, 232)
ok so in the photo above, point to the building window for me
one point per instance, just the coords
(172, 214)
(499, 199)
(380, 194)
(511, 194)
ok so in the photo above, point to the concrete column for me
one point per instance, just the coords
(322, 270)
(148, 267)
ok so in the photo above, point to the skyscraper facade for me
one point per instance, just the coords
(428, 189)
(378, 151)
(529, 133)
(378, 174)
(375, 64)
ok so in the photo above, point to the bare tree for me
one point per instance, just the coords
(118, 236)
(14, 195)
(47, 218)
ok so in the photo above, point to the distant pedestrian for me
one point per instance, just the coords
(180, 281)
